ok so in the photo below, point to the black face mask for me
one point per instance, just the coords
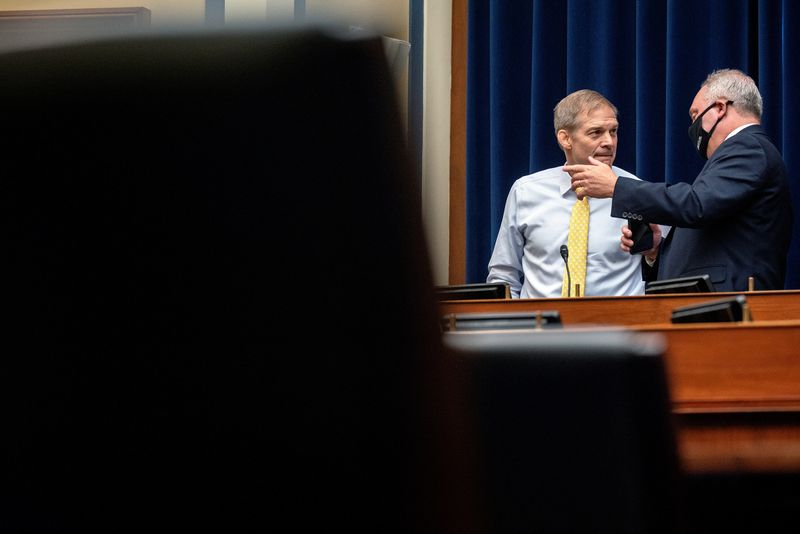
(699, 136)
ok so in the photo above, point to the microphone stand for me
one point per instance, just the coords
(565, 256)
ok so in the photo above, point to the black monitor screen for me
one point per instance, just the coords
(725, 310)
(473, 291)
(689, 284)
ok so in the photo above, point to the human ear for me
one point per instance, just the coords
(564, 139)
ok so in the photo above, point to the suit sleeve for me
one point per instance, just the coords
(649, 273)
(726, 183)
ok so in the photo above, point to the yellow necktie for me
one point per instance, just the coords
(577, 242)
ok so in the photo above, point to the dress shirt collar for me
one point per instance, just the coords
(565, 184)
(739, 129)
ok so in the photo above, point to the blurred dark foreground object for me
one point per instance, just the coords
(574, 430)
(183, 220)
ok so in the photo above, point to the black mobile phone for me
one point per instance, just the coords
(642, 236)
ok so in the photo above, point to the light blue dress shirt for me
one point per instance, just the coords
(536, 223)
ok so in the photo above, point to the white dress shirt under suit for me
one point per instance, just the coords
(536, 223)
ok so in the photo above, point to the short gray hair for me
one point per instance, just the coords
(737, 86)
(566, 113)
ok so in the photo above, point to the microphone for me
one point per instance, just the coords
(565, 255)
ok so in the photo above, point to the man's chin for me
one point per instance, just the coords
(608, 160)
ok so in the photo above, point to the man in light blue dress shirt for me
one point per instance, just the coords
(536, 219)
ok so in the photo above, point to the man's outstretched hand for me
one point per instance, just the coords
(595, 180)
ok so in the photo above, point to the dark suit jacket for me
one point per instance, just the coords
(734, 221)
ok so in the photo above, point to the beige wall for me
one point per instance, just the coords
(162, 12)
(436, 136)
(384, 17)
(258, 10)
(387, 17)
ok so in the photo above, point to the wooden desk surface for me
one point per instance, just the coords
(643, 309)
(735, 392)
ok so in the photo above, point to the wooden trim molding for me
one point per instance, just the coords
(458, 145)
(41, 27)
(139, 16)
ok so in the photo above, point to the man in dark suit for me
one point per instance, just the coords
(734, 221)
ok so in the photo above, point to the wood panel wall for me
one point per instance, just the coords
(458, 145)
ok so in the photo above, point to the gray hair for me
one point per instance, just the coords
(737, 86)
(566, 113)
